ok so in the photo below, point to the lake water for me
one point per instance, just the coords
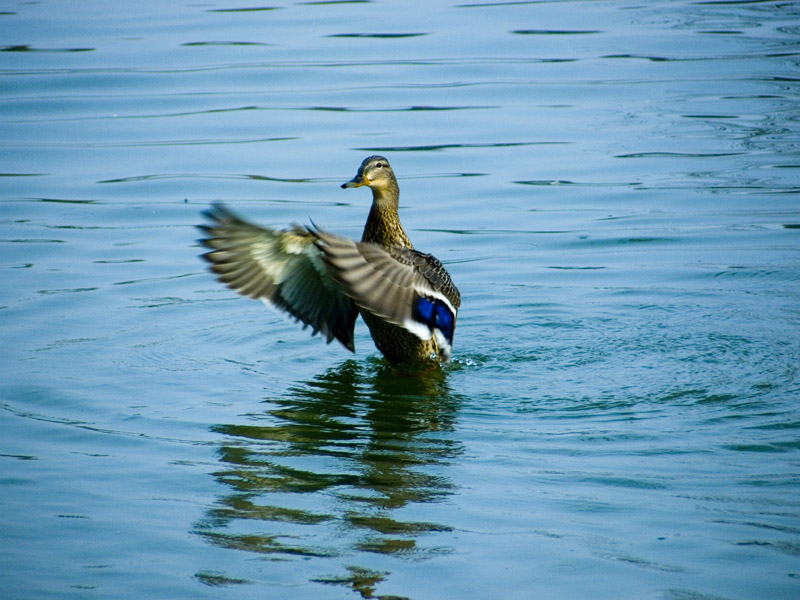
(614, 187)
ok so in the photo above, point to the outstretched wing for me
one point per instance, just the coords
(283, 268)
(402, 286)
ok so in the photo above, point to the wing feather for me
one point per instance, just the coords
(390, 283)
(284, 268)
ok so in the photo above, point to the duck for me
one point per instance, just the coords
(406, 297)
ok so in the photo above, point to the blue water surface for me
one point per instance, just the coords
(614, 187)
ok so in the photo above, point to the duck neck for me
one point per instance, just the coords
(383, 224)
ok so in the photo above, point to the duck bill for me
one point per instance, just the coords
(356, 181)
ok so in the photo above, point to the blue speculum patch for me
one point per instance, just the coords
(444, 320)
(436, 315)
(425, 310)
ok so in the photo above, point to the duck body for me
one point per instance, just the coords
(406, 297)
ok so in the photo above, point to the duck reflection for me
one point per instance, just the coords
(335, 465)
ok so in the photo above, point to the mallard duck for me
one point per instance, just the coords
(406, 298)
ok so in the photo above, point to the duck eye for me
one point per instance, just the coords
(379, 165)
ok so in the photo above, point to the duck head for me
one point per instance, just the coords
(376, 173)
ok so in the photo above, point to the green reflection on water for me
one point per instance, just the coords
(324, 469)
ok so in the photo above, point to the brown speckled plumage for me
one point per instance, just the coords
(383, 227)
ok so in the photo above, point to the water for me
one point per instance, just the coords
(614, 188)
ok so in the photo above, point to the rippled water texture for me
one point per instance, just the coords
(614, 187)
